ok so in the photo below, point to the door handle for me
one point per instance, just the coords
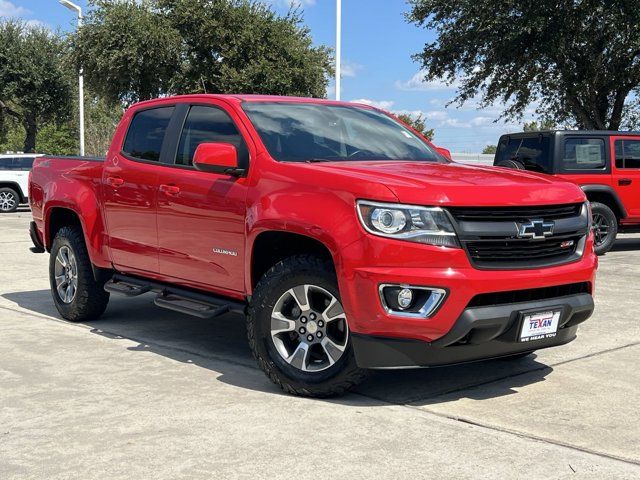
(115, 181)
(625, 182)
(170, 189)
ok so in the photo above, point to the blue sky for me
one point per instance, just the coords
(377, 65)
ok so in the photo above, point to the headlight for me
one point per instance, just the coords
(407, 222)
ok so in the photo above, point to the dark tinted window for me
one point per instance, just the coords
(6, 163)
(209, 125)
(16, 163)
(584, 154)
(627, 153)
(298, 132)
(532, 152)
(146, 133)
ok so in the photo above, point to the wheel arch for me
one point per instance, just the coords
(273, 245)
(14, 186)
(607, 195)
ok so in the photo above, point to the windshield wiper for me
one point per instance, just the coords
(318, 160)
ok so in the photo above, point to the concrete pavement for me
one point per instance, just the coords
(147, 393)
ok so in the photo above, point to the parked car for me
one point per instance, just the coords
(347, 240)
(605, 164)
(14, 176)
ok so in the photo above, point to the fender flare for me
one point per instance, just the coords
(15, 186)
(608, 190)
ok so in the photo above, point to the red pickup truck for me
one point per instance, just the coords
(348, 241)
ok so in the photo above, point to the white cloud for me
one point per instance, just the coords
(8, 9)
(383, 104)
(350, 69)
(481, 121)
(417, 82)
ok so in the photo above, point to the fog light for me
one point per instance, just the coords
(405, 297)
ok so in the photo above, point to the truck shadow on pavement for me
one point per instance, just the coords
(626, 244)
(220, 345)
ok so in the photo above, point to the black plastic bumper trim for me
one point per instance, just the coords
(478, 334)
(38, 246)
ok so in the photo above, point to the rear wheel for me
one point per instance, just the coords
(605, 227)
(9, 200)
(298, 330)
(76, 294)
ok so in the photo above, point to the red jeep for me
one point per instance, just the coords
(606, 165)
(346, 238)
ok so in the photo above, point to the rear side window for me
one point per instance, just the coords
(209, 125)
(146, 133)
(584, 154)
(6, 163)
(532, 152)
(627, 153)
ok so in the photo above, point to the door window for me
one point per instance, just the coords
(627, 154)
(532, 152)
(209, 125)
(584, 154)
(146, 133)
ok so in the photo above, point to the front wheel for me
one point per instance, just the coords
(298, 330)
(605, 227)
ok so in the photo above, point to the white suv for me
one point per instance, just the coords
(14, 179)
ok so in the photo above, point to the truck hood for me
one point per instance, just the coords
(424, 183)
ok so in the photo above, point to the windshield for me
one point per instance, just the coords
(300, 132)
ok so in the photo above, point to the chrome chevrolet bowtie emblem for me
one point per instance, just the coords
(535, 229)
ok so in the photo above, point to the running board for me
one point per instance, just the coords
(190, 307)
(202, 305)
(125, 288)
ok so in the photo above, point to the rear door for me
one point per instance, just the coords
(130, 186)
(626, 172)
(201, 215)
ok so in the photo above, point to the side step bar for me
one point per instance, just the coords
(178, 299)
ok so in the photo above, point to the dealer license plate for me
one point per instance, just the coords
(540, 325)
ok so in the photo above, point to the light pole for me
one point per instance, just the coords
(73, 7)
(338, 46)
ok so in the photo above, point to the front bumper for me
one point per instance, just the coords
(478, 333)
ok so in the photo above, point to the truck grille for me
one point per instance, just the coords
(553, 212)
(492, 237)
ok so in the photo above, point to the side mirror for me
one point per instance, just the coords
(444, 152)
(217, 158)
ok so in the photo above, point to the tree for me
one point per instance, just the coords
(139, 50)
(34, 85)
(539, 126)
(578, 60)
(417, 122)
(128, 51)
(490, 149)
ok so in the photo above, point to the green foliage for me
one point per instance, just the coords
(417, 122)
(34, 85)
(577, 59)
(58, 139)
(101, 119)
(128, 51)
(539, 126)
(490, 149)
(138, 50)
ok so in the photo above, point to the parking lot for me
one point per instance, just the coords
(147, 393)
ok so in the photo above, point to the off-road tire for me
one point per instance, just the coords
(291, 272)
(90, 299)
(607, 214)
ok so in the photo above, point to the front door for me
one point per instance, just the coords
(130, 186)
(201, 215)
(626, 173)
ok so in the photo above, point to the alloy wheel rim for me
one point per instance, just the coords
(66, 275)
(309, 328)
(600, 228)
(7, 201)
